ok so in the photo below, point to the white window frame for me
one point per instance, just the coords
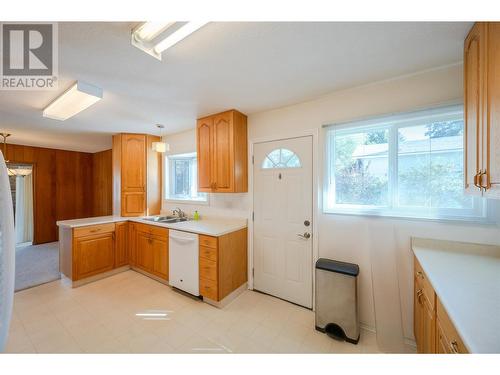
(479, 211)
(202, 200)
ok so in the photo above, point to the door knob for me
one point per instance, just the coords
(306, 235)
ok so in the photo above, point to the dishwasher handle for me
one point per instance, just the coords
(182, 239)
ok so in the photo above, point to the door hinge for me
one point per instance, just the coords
(253, 159)
(253, 273)
(253, 216)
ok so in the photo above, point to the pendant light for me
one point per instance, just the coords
(20, 169)
(160, 147)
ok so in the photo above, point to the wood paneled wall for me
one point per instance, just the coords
(63, 186)
(103, 183)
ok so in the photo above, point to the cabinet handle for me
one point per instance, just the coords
(419, 295)
(476, 179)
(94, 230)
(486, 186)
(454, 347)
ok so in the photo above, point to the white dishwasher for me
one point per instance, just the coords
(183, 265)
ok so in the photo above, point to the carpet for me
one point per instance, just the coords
(36, 264)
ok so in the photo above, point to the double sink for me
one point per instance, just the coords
(167, 219)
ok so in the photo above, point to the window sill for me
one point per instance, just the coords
(395, 216)
(188, 201)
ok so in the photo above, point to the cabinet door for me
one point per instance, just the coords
(442, 343)
(473, 96)
(418, 314)
(93, 255)
(132, 238)
(144, 251)
(204, 154)
(133, 162)
(223, 153)
(121, 244)
(159, 248)
(492, 111)
(428, 328)
(133, 203)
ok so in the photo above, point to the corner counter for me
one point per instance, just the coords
(466, 281)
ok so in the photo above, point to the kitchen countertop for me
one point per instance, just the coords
(466, 278)
(90, 221)
(209, 226)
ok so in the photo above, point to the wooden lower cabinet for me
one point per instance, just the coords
(92, 255)
(223, 264)
(450, 339)
(433, 330)
(121, 244)
(150, 249)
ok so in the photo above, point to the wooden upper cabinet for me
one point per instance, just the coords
(492, 115)
(482, 109)
(204, 153)
(473, 60)
(136, 175)
(133, 162)
(222, 153)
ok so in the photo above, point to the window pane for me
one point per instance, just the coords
(182, 178)
(361, 168)
(181, 183)
(430, 166)
(281, 158)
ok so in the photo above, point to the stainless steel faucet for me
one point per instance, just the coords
(179, 212)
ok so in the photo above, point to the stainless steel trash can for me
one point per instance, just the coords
(336, 299)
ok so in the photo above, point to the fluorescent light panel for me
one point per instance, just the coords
(77, 98)
(178, 35)
(150, 30)
(144, 37)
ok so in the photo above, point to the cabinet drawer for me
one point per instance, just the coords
(93, 229)
(208, 241)
(208, 289)
(452, 338)
(208, 253)
(208, 269)
(423, 283)
(152, 229)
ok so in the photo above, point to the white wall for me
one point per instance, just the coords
(381, 246)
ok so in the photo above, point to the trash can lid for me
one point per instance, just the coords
(345, 268)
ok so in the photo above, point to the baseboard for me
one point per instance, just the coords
(91, 279)
(228, 299)
(151, 276)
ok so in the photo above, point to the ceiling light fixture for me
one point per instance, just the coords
(150, 30)
(142, 36)
(74, 100)
(18, 169)
(160, 146)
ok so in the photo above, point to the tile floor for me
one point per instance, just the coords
(102, 318)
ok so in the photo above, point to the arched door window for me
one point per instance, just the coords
(281, 158)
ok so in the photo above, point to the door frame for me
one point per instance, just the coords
(314, 134)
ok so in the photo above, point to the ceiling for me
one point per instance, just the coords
(249, 66)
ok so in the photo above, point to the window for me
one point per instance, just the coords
(408, 165)
(181, 178)
(281, 158)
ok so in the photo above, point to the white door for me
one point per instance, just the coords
(283, 219)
